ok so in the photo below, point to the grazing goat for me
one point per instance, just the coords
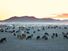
(45, 37)
(2, 40)
(29, 37)
(38, 37)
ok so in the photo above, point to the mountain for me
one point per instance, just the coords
(31, 19)
(22, 18)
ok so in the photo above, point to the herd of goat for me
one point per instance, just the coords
(26, 31)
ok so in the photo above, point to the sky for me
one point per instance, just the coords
(57, 9)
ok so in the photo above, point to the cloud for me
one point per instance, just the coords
(65, 15)
(61, 16)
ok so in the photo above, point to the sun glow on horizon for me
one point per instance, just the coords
(37, 8)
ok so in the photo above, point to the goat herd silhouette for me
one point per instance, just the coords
(30, 36)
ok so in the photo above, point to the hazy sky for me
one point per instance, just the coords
(38, 8)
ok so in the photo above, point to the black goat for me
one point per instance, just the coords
(29, 37)
(38, 37)
(2, 40)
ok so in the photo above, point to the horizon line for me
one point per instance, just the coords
(35, 17)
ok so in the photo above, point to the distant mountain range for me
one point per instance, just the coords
(31, 19)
